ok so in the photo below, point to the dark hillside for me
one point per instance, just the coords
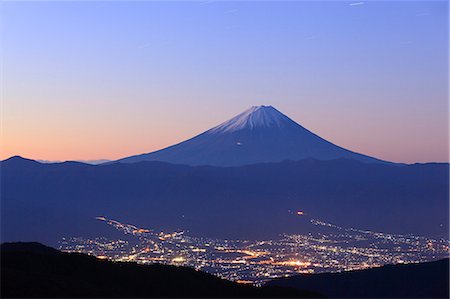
(35, 270)
(424, 280)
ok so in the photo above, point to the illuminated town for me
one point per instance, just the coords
(256, 262)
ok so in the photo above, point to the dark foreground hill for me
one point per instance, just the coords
(34, 270)
(425, 280)
(45, 202)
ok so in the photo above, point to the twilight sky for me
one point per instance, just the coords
(91, 80)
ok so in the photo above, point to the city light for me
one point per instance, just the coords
(244, 261)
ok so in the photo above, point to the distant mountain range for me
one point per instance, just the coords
(45, 202)
(424, 280)
(32, 270)
(260, 134)
(93, 162)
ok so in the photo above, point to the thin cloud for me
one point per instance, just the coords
(231, 11)
(143, 46)
(205, 2)
(356, 3)
(311, 37)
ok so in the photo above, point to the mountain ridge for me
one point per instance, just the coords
(414, 280)
(44, 202)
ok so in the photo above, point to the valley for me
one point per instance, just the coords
(334, 249)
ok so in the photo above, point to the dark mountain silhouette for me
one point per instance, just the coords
(258, 135)
(424, 280)
(45, 202)
(32, 270)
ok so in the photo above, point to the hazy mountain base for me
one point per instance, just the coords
(46, 202)
(36, 271)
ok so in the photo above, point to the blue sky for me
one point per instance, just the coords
(87, 80)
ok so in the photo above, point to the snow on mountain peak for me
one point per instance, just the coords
(255, 117)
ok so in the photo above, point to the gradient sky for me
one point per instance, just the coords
(91, 80)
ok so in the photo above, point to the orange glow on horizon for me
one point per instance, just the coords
(61, 140)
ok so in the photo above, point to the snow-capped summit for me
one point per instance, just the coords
(258, 135)
(255, 117)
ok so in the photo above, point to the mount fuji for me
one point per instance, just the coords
(260, 134)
